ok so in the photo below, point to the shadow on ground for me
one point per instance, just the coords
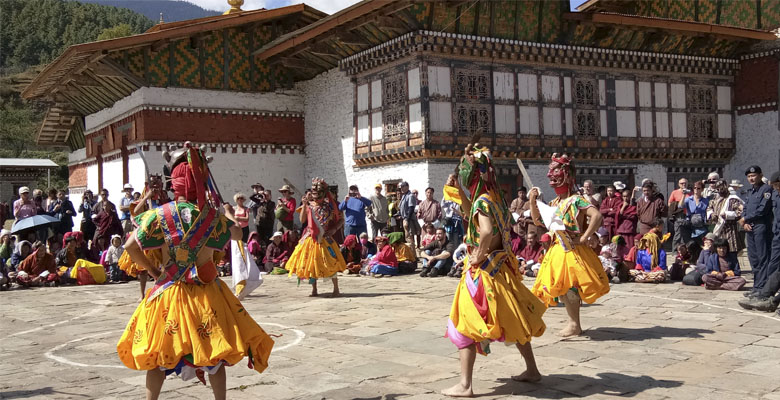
(639, 334)
(370, 294)
(563, 386)
(45, 391)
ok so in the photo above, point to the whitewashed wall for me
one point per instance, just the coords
(112, 180)
(654, 172)
(758, 143)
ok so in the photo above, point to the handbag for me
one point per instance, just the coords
(697, 221)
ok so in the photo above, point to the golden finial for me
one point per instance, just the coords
(235, 6)
(161, 19)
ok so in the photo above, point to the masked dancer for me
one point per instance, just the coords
(571, 270)
(491, 303)
(318, 255)
(189, 322)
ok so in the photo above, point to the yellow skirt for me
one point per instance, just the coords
(563, 270)
(313, 260)
(494, 308)
(197, 325)
(127, 265)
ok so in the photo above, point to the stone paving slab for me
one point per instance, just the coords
(384, 339)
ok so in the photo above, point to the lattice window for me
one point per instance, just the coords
(472, 84)
(471, 118)
(586, 124)
(701, 98)
(394, 123)
(701, 126)
(586, 93)
(394, 92)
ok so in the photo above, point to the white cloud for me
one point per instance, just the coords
(328, 6)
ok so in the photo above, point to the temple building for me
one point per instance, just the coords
(385, 91)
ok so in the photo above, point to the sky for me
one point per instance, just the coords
(328, 6)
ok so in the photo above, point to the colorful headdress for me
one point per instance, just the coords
(191, 177)
(480, 177)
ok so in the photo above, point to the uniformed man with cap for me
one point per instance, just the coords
(757, 220)
(766, 299)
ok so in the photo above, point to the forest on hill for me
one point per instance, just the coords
(32, 34)
(173, 10)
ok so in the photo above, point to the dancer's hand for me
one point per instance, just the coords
(533, 194)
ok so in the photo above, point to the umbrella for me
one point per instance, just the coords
(36, 221)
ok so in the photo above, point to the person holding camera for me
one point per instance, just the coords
(354, 209)
(676, 213)
(264, 212)
(285, 208)
(711, 190)
(694, 226)
(87, 208)
(63, 210)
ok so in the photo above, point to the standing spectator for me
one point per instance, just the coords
(124, 209)
(453, 221)
(108, 224)
(677, 214)
(649, 207)
(102, 201)
(589, 194)
(5, 212)
(723, 269)
(756, 221)
(51, 199)
(24, 206)
(354, 208)
(63, 210)
(407, 206)
(712, 186)
(242, 215)
(87, 209)
(695, 208)
(257, 192)
(724, 212)
(735, 188)
(626, 218)
(610, 207)
(378, 212)
(429, 210)
(285, 209)
(519, 206)
(264, 214)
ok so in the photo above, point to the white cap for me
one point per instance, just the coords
(4, 232)
(619, 185)
(713, 176)
(128, 186)
(24, 189)
(276, 234)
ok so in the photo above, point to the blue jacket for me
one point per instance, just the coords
(355, 210)
(758, 205)
(776, 211)
(701, 263)
(644, 259)
(408, 204)
(713, 264)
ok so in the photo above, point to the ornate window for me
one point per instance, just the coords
(394, 121)
(586, 123)
(394, 91)
(471, 118)
(701, 98)
(701, 126)
(472, 84)
(586, 93)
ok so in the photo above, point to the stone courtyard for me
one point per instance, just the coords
(383, 339)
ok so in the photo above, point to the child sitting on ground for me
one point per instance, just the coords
(113, 253)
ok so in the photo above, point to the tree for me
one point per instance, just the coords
(17, 129)
(114, 32)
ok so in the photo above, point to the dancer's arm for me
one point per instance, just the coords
(235, 231)
(595, 222)
(480, 253)
(139, 257)
(536, 216)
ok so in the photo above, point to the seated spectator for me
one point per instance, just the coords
(723, 269)
(437, 255)
(385, 262)
(531, 254)
(650, 257)
(366, 247)
(23, 249)
(518, 242)
(255, 248)
(352, 254)
(619, 252)
(407, 259)
(277, 253)
(545, 241)
(113, 254)
(430, 234)
(66, 257)
(594, 243)
(458, 257)
(681, 262)
(694, 273)
(38, 268)
(6, 247)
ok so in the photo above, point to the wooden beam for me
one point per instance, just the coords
(297, 63)
(352, 39)
(127, 75)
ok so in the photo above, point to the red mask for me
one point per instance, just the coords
(560, 175)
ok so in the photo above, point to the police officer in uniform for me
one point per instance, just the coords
(766, 299)
(757, 223)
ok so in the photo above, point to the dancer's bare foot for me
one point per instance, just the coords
(528, 376)
(570, 331)
(313, 294)
(458, 390)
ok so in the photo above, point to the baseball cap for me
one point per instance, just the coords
(24, 189)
